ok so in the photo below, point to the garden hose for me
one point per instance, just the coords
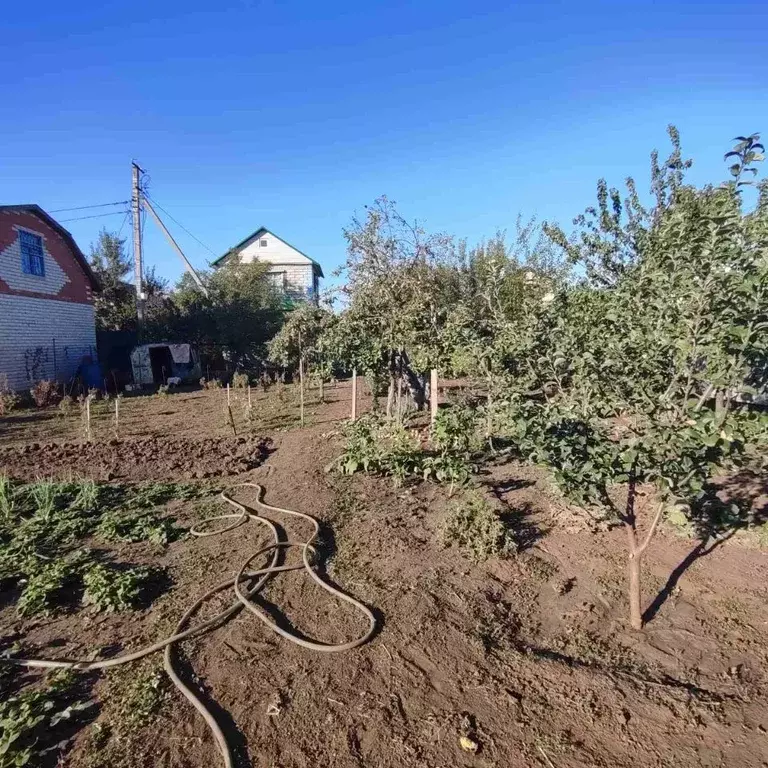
(253, 581)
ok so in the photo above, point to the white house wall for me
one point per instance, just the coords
(275, 251)
(43, 338)
(297, 270)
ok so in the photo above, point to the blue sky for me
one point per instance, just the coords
(294, 115)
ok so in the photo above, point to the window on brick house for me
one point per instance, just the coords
(32, 261)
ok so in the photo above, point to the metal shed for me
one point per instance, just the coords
(154, 364)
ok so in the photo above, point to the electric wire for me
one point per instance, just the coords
(85, 207)
(94, 216)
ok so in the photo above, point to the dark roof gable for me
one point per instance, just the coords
(253, 236)
(68, 239)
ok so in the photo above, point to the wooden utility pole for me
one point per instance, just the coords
(138, 265)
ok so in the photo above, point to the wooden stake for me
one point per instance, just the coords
(228, 400)
(354, 394)
(249, 397)
(117, 415)
(88, 418)
(433, 395)
(301, 389)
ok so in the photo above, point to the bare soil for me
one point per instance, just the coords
(529, 657)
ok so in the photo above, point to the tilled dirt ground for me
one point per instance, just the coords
(149, 458)
(529, 656)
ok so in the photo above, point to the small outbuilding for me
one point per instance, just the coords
(154, 364)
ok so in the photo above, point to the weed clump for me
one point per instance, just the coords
(110, 590)
(476, 528)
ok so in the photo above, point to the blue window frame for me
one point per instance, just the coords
(32, 260)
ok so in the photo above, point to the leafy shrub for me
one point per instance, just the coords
(454, 434)
(109, 589)
(475, 527)
(163, 390)
(384, 447)
(44, 392)
(8, 398)
(380, 447)
(240, 381)
(455, 430)
(210, 383)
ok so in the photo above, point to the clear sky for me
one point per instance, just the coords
(294, 115)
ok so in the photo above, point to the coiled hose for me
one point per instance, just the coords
(254, 580)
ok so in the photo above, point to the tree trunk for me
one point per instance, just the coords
(390, 395)
(633, 587)
(634, 563)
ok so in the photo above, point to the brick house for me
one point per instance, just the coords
(291, 271)
(47, 320)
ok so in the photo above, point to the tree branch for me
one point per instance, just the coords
(651, 530)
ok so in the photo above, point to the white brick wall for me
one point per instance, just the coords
(28, 328)
(297, 277)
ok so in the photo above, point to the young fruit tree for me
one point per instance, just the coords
(301, 344)
(647, 365)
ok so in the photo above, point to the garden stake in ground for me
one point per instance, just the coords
(254, 581)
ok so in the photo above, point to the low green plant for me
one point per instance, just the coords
(154, 494)
(48, 580)
(45, 493)
(133, 528)
(30, 721)
(240, 381)
(163, 390)
(7, 500)
(380, 446)
(42, 523)
(144, 698)
(476, 528)
(110, 590)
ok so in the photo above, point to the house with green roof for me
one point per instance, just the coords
(291, 271)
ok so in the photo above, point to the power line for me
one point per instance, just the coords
(181, 225)
(84, 207)
(120, 231)
(95, 216)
